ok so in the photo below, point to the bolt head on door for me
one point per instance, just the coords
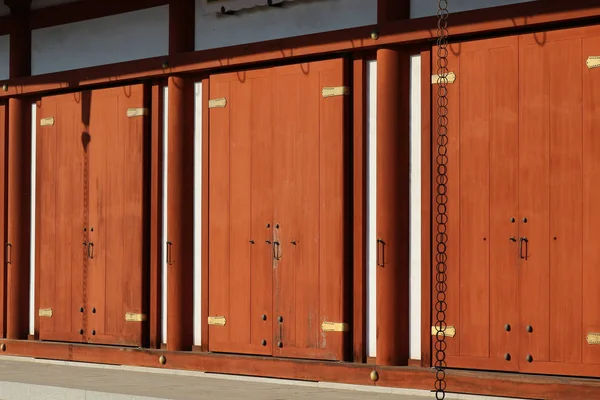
(264, 317)
(507, 357)
(529, 358)
(280, 319)
(507, 327)
(529, 328)
(280, 344)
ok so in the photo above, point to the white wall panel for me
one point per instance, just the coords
(372, 209)
(301, 17)
(415, 209)
(425, 8)
(4, 56)
(198, 215)
(123, 37)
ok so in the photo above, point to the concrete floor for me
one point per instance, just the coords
(28, 379)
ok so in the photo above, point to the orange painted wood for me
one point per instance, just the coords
(473, 382)
(393, 71)
(310, 214)
(426, 208)
(182, 20)
(18, 187)
(3, 214)
(156, 215)
(241, 212)
(180, 228)
(590, 211)
(205, 211)
(115, 273)
(359, 279)
(61, 220)
(503, 18)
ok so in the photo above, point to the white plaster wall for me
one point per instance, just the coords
(4, 56)
(198, 215)
(415, 209)
(117, 38)
(32, 220)
(425, 8)
(37, 4)
(372, 209)
(301, 17)
(165, 163)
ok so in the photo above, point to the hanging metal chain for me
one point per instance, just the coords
(441, 198)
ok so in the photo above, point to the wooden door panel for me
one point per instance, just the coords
(482, 199)
(590, 196)
(61, 217)
(309, 179)
(240, 222)
(117, 158)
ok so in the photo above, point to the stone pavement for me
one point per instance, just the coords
(29, 379)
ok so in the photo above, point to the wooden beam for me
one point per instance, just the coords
(392, 10)
(182, 21)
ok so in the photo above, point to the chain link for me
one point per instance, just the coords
(441, 198)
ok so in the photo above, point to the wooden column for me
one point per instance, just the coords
(393, 194)
(180, 185)
(180, 230)
(19, 180)
(392, 10)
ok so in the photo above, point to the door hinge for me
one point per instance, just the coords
(217, 103)
(47, 121)
(217, 320)
(45, 312)
(449, 332)
(593, 338)
(134, 317)
(451, 76)
(593, 62)
(137, 112)
(335, 327)
(335, 91)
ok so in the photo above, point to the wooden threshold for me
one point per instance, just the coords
(458, 381)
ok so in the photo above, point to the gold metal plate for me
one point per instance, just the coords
(593, 62)
(133, 317)
(334, 327)
(217, 103)
(45, 312)
(47, 121)
(335, 91)
(218, 321)
(451, 76)
(449, 332)
(136, 112)
(593, 338)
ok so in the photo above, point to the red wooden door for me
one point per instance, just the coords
(310, 146)
(277, 254)
(241, 213)
(558, 157)
(60, 217)
(115, 186)
(90, 209)
(482, 204)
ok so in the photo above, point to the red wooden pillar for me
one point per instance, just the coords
(180, 186)
(19, 180)
(180, 230)
(393, 152)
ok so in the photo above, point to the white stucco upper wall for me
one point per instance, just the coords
(425, 8)
(300, 17)
(4, 54)
(123, 37)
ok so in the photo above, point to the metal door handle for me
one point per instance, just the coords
(169, 260)
(521, 241)
(8, 259)
(380, 252)
(91, 250)
(276, 251)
